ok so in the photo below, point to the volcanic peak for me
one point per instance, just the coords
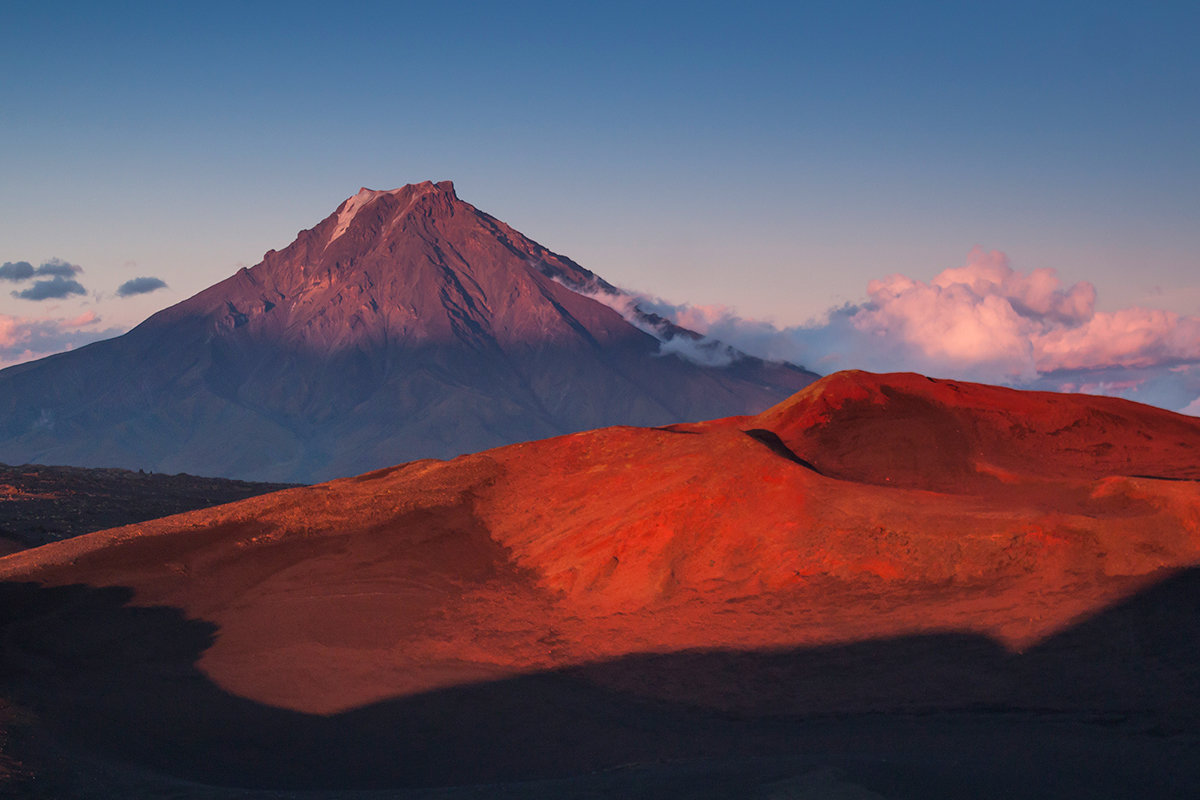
(407, 195)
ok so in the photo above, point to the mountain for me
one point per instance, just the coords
(936, 588)
(407, 324)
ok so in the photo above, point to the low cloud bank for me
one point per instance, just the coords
(983, 321)
(25, 339)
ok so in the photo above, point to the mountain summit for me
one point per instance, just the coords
(406, 324)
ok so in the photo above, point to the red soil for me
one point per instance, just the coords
(866, 506)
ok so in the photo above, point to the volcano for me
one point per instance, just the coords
(934, 588)
(407, 324)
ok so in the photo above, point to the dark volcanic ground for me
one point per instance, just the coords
(40, 504)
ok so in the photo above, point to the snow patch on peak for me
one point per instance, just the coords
(350, 208)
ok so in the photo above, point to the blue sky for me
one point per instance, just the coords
(770, 159)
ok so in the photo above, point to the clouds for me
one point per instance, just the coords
(24, 338)
(16, 271)
(981, 321)
(54, 289)
(84, 319)
(639, 311)
(988, 319)
(60, 282)
(58, 268)
(140, 286)
(1130, 337)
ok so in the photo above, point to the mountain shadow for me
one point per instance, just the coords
(1109, 707)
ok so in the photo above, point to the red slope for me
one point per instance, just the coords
(908, 430)
(628, 540)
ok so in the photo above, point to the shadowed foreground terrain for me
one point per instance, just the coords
(1106, 708)
(886, 586)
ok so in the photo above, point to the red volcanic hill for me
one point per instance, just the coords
(912, 431)
(406, 324)
(876, 547)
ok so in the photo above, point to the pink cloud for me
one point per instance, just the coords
(986, 316)
(948, 322)
(86, 318)
(1130, 337)
(27, 338)
(10, 332)
(1037, 294)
